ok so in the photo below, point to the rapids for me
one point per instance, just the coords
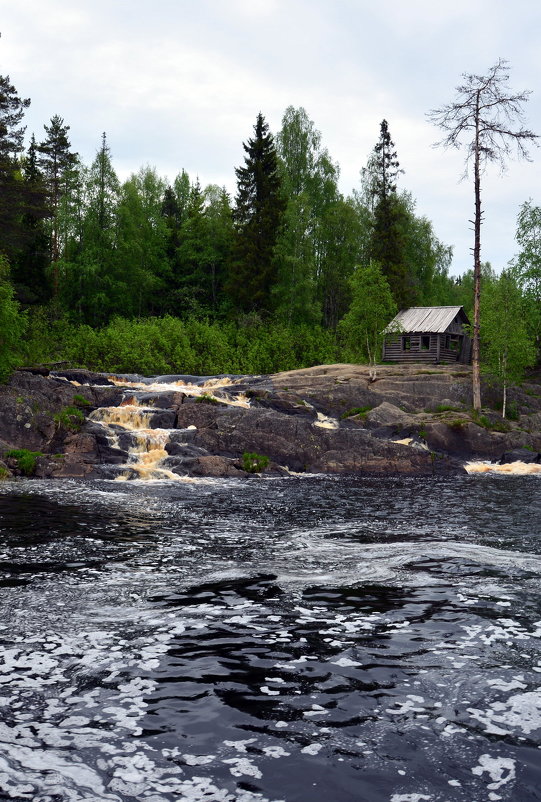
(269, 640)
(293, 639)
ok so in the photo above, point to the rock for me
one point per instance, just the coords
(520, 455)
(283, 423)
(386, 414)
(86, 377)
(215, 466)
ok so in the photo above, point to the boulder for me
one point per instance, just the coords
(520, 455)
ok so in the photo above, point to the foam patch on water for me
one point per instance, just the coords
(513, 468)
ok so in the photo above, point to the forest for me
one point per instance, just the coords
(155, 276)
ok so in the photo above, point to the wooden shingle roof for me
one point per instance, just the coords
(435, 319)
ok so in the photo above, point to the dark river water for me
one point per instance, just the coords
(295, 639)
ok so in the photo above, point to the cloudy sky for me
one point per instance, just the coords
(177, 84)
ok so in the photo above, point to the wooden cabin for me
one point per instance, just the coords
(428, 334)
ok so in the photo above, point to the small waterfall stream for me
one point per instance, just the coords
(134, 426)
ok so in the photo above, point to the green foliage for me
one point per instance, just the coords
(507, 348)
(26, 460)
(526, 267)
(205, 398)
(512, 412)
(12, 325)
(355, 411)
(371, 310)
(70, 418)
(487, 423)
(258, 216)
(445, 408)
(81, 401)
(166, 345)
(458, 424)
(254, 463)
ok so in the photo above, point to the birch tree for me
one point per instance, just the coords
(363, 328)
(486, 118)
(507, 347)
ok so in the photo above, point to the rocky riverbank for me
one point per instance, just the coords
(413, 419)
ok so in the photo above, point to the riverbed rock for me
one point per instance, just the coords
(303, 421)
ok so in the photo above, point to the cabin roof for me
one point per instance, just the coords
(435, 319)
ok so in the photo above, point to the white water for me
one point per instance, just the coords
(148, 449)
(516, 468)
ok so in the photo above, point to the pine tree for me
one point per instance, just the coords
(258, 217)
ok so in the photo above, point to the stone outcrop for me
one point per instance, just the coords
(333, 418)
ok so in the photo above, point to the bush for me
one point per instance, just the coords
(169, 345)
(512, 412)
(12, 325)
(70, 417)
(254, 463)
(26, 460)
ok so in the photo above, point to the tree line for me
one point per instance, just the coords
(81, 249)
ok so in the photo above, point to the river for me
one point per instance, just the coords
(297, 639)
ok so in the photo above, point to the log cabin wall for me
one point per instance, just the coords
(431, 348)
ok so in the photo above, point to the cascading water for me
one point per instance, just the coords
(146, 448)
(128, 426)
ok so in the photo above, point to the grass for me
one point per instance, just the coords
(444, 408)
(206, 399)
(26, 460)
(4, 473)
(81, 401)
(355, 411)
(457, 424)
(70, 418)
(486, 423)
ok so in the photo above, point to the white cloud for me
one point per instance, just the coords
(178, 84)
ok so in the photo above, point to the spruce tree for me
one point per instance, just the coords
(12, 191)
(258, 216)
(30, 267)
(387, 240)
(57, 163)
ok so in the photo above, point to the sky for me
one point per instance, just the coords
(177, 84)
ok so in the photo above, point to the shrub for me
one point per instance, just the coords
(4, 473)
(254, 463)
(446, 408)
(26, 460)
(70, 417)
(512, 412)
(457, 425)
(81, 401)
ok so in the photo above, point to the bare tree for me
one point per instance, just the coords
(486, 117)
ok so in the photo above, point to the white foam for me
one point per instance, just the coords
(501, 770)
